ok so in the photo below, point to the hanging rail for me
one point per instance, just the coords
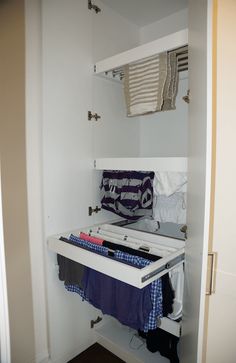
(182, 64)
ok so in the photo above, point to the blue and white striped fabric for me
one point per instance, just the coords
(156, 286)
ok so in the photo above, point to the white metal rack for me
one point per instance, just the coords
(171, 251)
(170, 164)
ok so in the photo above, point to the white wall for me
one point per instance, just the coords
(165, 133)
(165, 26)
(34, 173)
(73, 37)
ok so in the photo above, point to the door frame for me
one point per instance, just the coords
(5, 352)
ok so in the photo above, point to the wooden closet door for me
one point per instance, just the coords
(199, 167)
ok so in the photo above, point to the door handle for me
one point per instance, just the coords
(211, 285)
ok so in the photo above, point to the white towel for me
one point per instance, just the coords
(170, 209)
(168, 183)
(177, 281)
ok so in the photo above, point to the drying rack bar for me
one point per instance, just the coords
(167, 43)
(114, 268)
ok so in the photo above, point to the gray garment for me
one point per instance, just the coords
(70, 272)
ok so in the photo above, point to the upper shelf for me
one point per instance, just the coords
(163, 44)
(174, 164)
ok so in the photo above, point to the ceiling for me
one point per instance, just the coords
(143, 12)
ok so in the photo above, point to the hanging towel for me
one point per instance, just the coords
(170, 209)
(167, 183)
(144, 83)
(171, 84)
(128, 194)
(151, 84)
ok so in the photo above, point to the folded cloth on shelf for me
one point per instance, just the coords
(171, 208)
(167, 183)
(128, 194)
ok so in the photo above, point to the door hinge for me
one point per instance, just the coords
(211, 273)
(93, 115)
(94, 7)
(93, 322)
(93, 210)
(187, 97)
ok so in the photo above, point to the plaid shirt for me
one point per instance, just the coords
(156, 286)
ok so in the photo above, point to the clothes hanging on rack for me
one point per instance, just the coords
(170, 198)
(151, 84)
(170, 209)
(167, 183)
(112, 297)
(136, 261)
(128, 304)
(128, 194)
(158, 340)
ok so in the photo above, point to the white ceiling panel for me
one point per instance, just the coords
(143, 12)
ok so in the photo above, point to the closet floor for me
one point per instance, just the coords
(96, 353)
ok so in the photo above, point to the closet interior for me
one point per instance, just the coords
(115, 127)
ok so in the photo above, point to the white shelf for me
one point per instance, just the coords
(163, 44)
(172, 251)
(174, 164)
(121, 341)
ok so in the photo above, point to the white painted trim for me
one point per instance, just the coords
(174, 164)
(163, 44)
(207, 184)
(33, 71)
(4, 315)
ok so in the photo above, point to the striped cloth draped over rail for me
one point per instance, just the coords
(128, 194)
(151, 84)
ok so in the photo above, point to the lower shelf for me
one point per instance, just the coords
(123, 342)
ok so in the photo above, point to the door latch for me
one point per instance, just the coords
(212, 256)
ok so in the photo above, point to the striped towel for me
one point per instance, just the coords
(128, 194)
(150, 85)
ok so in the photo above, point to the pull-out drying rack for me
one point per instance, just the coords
(170, 250)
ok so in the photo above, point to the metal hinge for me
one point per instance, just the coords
(93, 210)
(187, 97)
(94, 7)
(93, 115)
(93, 322)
